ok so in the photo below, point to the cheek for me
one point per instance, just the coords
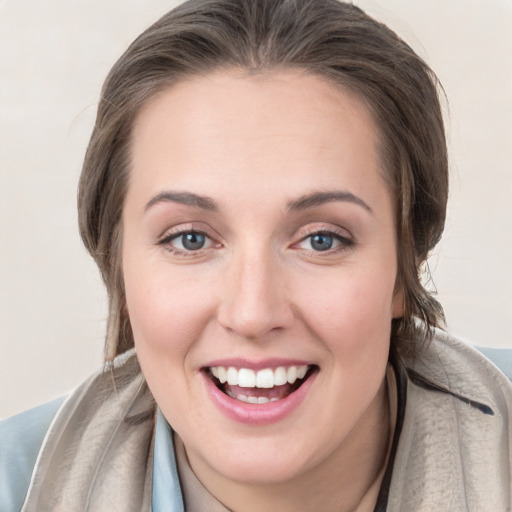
(167, 310)
(168, 316)
(350, 310)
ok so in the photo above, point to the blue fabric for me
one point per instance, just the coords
(167, 495)
(21, 437)
(501, 357)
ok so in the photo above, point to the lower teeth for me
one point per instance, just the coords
(252, 399)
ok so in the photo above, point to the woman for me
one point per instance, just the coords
(263, 184)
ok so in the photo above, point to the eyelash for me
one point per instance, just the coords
(345, 243)
(167, 240)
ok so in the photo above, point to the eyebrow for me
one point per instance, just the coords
(300, 204)
(320, 198)
(186, 198)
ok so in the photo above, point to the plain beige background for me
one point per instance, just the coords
(54, 56)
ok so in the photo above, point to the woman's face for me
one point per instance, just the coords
(259, 243)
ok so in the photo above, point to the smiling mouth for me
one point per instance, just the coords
(261, 386)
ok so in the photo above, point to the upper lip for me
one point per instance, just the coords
(257, 365)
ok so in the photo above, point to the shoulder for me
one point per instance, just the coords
(456, 439)
(467, 371)
(28, 438)
(21, 437)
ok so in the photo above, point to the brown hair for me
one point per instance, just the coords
(329, 38)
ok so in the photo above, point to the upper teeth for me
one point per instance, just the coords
(266, 378)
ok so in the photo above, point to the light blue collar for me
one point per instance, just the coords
(167, 495)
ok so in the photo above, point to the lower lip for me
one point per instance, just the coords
(258, 414)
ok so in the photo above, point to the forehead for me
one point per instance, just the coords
(231, 126)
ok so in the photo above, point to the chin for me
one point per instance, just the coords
(265, 462)
(273, 470)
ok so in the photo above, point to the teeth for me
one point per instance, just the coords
(264, 379)
(253, 399)
(291, 374)
(301, 372)
(280, 376)
(232, 376)
(246, 378)
(222, 374)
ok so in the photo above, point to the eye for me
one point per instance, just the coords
(187, 241)
(323, 241)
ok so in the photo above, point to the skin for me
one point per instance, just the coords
(258, 289)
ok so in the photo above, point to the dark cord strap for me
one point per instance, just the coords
(421, 382)
(401, 384)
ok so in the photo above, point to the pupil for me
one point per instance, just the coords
(193, 241)
(321, 242)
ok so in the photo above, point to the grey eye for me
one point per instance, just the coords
(192, 241)
(321, 241)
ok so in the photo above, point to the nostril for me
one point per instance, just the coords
(254, 301)
(254, 323)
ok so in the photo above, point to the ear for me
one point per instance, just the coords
(398, 304)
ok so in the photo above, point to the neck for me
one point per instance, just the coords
(340, 483)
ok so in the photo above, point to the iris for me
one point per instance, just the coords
(193, 241)
(321, 242)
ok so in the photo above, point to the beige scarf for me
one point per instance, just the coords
(98, 453)
(454, 454)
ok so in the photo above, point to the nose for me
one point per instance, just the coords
(254, 300)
